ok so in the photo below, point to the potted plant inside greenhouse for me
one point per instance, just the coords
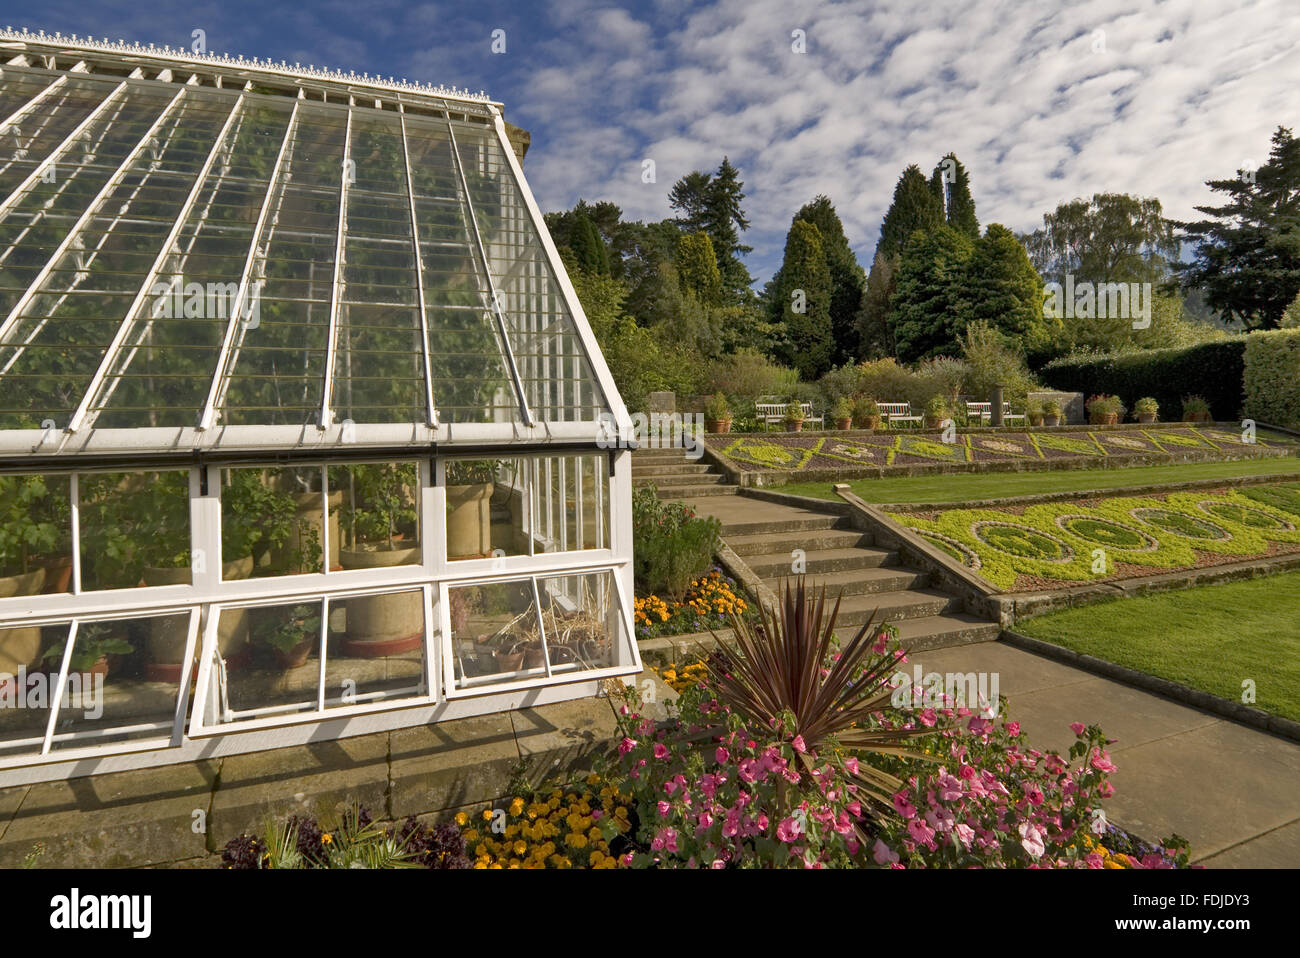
(26, 535)
(96, 646)
(469, 508)
(866, 413)
(717, 414)
(794, 417)
(287, 639)
(382, 522)
(1146, 409)
(1051, 413)
(842, 413)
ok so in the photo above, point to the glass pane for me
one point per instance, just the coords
(123, 680)
(272, 522)
(279, 671)
(35, 535)
(377, 509)
(581, 618)
(486, 508)
(135, 529)
(25, 685)
(571, 503)
(376, 648)
(494, 633)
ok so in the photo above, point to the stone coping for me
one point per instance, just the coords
(183, 815)
(1175, 691)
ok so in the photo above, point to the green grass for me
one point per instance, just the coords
(1212, 638)
(966, 486)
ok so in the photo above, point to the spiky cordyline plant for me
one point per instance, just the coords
(772, 676)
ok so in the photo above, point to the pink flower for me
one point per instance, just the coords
(721, 755)
(1101, 761)
(1034, 794)
(1031, 839)
(748, 770)
(1077, 728)
(882, 853)
(661, 750)
(626, 745)
(921, 832)
(788, 830)
(903, 806)
(799, 745)
(664, 808)
(965, 834)
(1105, 789)
(1013, 728)
(851, 763)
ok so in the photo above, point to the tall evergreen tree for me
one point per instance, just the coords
(804, 295)
(1001, 287)
(1248, 251)
(915, 207)
(847, 278)
(697, 268)
(588, 247)
(724, 221)
(875, 339)
(689, 196)
(927, 313)
(950, 183)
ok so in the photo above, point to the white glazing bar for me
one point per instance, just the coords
(39, 170)
(326, 418)
(56, 693)
(216, 391)
(33, 103)
(110, 355)
(84, 218)
(419, 282)
(494, 294)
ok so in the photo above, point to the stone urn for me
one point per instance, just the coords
(383, 625)
(469, 520)
(20, 646)
(167, 635)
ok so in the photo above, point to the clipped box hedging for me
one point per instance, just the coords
(1271, 377)
(1211, 370)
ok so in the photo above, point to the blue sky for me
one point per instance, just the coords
(1042, 101)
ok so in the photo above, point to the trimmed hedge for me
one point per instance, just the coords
(1272, 377)
(1212, 370)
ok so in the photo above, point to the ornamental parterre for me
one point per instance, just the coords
(1115, 537)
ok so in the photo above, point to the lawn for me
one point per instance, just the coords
(1212, 637)
(965, 487)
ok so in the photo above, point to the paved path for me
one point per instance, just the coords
(1232, 791)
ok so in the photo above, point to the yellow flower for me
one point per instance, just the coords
(487, 814)
(462, 819)
(521, 847)
(517, 806)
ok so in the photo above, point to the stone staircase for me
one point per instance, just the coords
(677, 477)
(868, 579)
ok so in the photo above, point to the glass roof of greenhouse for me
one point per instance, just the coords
(190, 257)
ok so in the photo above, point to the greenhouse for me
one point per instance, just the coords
(303, 433)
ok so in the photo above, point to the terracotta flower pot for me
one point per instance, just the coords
(1051, 420)
(1146, 417)
(794, 425)
(1197, 417)
(295, 657)
(1105, 419)
(844, 423)
(508, 661)
(934, 422)
(383, 625)
(1035, 420)
(717, 425)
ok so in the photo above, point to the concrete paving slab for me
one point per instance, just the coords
(11, 799)
(118, 820)
(462, 762)
(320, 778)
(1279, 848)
(564, 738)
(1019, 672)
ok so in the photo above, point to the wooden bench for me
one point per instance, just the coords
(774, 412)
(897, 412)
(984, 410)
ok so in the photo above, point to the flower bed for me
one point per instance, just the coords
(708, 604)
(1018, 548)
(799, 453)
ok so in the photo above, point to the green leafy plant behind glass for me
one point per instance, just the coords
(24, 531)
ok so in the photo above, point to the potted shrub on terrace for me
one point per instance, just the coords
(1145, 409)
(1034, 413)
(842, 413)
(380, 518)
(469, 501)
(1051, 413)
(936, 411)
(794, 417)
(1196, 409)
(1104, 410)
(717, 414)
(95, 642)
(866, 413)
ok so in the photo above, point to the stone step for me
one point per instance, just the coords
(822, 561)
(897, 606)
(806, 523)
(689, 479)
(658, 456)
(690, 492)
(945, 631)
(668, 469)
(864, 581)
(809, 540)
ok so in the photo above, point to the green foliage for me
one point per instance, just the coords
(747, 375)
(94, 641)
(381, 500)
(800, 301)
(1247, 255)
(864, 408)
(1146, 406)
(713, 203)
(672, 547)
(848, 281)
(1002, 288)
(254, 515)
(887, 381)
(1291, 315)
(24, 531)
(697, 268)
(1271, 377)
(927, 311)
(843, 408)
(875, 338)
(1214, 369)
(794, 412)
(936, 407)
(914, 207)
(1099, 407)
(991, 361)
(942, 375)
(717, 408)
(1111, 238)
(273, 628)
(960, 206)
(588, 248)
